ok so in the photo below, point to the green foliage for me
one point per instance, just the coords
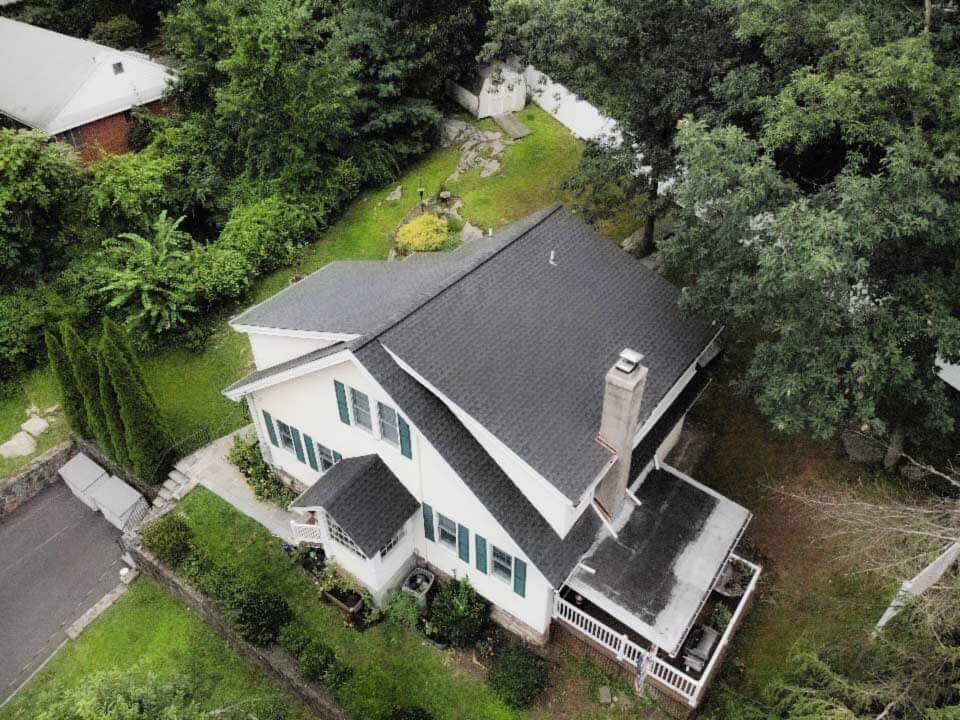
(73, 408)
(315, 659)
(408, 712)
(111, 408)
(260, 614)
(128, 192)
(403, 610)
(150, 278)
(459, 613)
(268, 233)
(42, 197)
(220, 273)
(118, 32)
(128, 694)
(294, 637)
(170, 538)
(518, 675)
(425, 232)
(246, 456)
(720, 617)
(83, 362)
(21, 323)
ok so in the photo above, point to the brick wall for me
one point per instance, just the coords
(110, 135)
(34, 477)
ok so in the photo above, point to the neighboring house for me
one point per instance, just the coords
(501, 412)
(494, 89)
(73, 89)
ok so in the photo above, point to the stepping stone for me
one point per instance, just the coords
(36, 426)
(512, 125)
(489, 168)
(396, 194)
(19, 445)
(605, 695)
(470, 232)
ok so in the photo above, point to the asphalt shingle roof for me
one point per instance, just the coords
(365, 498)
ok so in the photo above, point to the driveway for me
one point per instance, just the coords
(57, 559)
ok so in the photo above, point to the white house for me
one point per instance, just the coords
(502, 412)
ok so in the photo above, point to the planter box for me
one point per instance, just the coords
(348, 611)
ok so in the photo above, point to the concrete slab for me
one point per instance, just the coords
(36, 426)
(512, 125)
(19, 445)
(210, 468)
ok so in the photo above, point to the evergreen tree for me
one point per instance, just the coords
(111, 409)
(121, 338)
(84, 365)
(73, 407)
(148, 443)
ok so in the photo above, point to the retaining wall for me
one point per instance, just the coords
(33, 477)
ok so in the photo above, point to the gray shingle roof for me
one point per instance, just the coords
(554, 556)
(365, 498)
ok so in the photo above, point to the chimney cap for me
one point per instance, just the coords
(628, 361)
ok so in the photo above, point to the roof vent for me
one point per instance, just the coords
(629, 361)
(118, 68)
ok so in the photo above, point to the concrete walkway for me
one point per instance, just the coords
(210, 467)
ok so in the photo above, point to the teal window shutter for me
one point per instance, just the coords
(428, 522)
(311, 453)
(463, 543)
(481, 548)
(297, 445)
(342, 402)
(270, 430)
(404, 430)
(337, 457)
(519, 577)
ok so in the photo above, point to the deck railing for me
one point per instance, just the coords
(302, 532)
(690, 690)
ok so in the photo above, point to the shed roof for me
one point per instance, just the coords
(80, 472)
(114, 497)
(365, 498)
(54, 82)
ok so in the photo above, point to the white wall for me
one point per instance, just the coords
(505, 94)
(466, 99)
(270, 350)
(577, 115)
(308, 403)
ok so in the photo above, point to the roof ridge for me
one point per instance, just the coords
(400, 317)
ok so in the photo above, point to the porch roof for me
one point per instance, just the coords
(657, 573)
(365, 498)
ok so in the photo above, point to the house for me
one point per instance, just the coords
(73, 89)
(494, 89)
(503, 412)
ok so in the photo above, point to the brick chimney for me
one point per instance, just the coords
(622, 395)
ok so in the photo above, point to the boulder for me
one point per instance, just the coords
(862, 449)
(470, 232)
(19, 445)
(489, 168)
(36, 426)
(895, 449)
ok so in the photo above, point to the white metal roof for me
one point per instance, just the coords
(55, 82)
(113, 496)
(949, 373)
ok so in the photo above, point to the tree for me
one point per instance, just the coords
(118, 32)
(150, 277)
(115, 334)
(128, 192)
(87, 376)
(148, 444)
(646, 64)
(111, 408)
(41, 203)
(73, 407)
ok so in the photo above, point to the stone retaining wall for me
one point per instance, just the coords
(274, 661)
(94, 452)
(33, 477)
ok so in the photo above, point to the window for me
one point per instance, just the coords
(328, 458)
(448, 530)
(389, 428)
(502, 564)
(361, 409)
(339, 535)
(286, 435)
(394, 541)
(118, 68)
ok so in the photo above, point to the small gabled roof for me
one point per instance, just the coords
(365, 498)
(54, 82)
(251, 381)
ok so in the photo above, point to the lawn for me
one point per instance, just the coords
(149, 627)
(188, 383)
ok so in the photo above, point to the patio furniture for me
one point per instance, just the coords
(699, 647)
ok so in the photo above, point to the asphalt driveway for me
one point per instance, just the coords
(57, 559)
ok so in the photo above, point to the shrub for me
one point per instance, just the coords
(408, 713)
(266, 484)
(315, 659)
(170, 538)
(268, 232)
(118, 32)
(294, 637)
(260, 615)
(459, 613)
(423, 233)
(127, 192)
(337, 674)
(518, 675)
(21, 320)
(403, 610)
(721, 616)
(220, 272)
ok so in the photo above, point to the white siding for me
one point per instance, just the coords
(270, 350)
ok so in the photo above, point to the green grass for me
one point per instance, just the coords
(149, 627)
(38, 388)
(392, 666)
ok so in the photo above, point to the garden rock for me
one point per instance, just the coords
(470, 232)
(489, 167)
(454, 131)
(861, 449)
(19, 445)
(36, 426)
(396, 194)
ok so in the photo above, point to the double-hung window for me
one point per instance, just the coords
(389, 427)
(361, 409)
(448, 531)
(286, 435)
(502, 564)
(327, 457)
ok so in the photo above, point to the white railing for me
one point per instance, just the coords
(691, 690)
(306, 533)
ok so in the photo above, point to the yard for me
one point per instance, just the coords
(150, 628)
(188, 383)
